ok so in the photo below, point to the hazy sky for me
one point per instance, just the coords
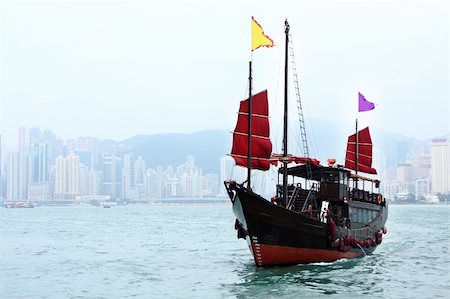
(117, 69)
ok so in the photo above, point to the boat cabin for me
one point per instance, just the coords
(332, 182)
(330, 188)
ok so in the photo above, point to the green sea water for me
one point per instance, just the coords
(193, 252)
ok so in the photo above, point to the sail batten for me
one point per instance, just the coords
(364, 152)
(256, 136)
(261, 148)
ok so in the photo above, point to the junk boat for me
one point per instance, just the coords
(318, 213)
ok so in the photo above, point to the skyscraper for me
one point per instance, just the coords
(35, 136)
(23, 139)
(67, 176)
(17, 176)
(1, 168)
(112, 176)
(140, 180)
(52, 147)
(60, 176)
(128, 177)
(440, 166)
(38, 163)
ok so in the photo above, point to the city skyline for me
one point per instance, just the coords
(43, 170)
(117, 69)
(44, 167)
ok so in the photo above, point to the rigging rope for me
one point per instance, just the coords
(299, 105)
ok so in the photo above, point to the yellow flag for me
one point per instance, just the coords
(259, 39)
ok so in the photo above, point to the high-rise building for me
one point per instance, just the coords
(156, 181)
(1, 168)
(60, 175)
(38, 163)
(73, 174)
(210, 185)
(67, 176)
(84, 179)
(112, 176)
(404, 172)
(23, 139)
(140, 178)
(128, 177)
(35, 136)
(50, 139)
(191, 184)
(94, 182)
(422, 188)
(91, 145)
(17, 176)
(440, 166)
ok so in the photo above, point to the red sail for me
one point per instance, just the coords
(261, 144)
(364, 152)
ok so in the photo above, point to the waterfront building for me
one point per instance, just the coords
(112, 176)
(38, 163)
(210, 185)
(440, 166)
(84, 179)
(172, 187)
(140, 178)
(94, 182)
(404, 173)
(191, 184)
(1, 169)
(39, 191)
(17, 176)
(67, 176)
(423, 188)
(155, 182)
(128, 177)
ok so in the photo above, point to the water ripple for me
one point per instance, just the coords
(192, 252)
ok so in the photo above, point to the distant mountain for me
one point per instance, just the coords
(327, 139)
(172, 149)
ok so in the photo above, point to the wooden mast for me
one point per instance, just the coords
(285, 129)
(356, 154)
(249, 154)
(356, 148)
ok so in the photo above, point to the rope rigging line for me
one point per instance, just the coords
(299, 105)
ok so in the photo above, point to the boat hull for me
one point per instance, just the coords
(278, 236)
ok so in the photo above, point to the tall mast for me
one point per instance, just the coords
(356, 154)
(356, 148)
(249, 155)
(285, 130)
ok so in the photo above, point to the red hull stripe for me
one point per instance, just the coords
(273, 255)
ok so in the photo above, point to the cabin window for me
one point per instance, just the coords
(330, 178)
(360, 215)
(342, 178)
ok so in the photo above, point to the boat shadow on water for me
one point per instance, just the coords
(354, 276)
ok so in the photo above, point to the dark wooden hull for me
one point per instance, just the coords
(278, 236)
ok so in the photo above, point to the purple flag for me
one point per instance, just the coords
(364, 105)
